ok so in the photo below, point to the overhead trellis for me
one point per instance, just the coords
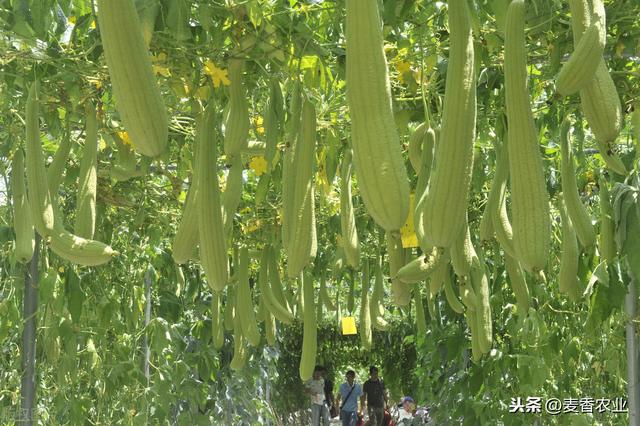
(266, 166)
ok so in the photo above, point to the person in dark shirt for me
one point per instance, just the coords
(375, 395)
(328, 391)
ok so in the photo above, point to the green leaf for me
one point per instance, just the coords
(255, 12)
(80, 7)
(389, 15)
(600, 274)
(68, 337)
(47, 285)
(631, 246)
(178, 17)
(75, 295)
(499, 8)
(42, 16)
(604, 301)
(23, 29)
(626, 215)
(6, 234)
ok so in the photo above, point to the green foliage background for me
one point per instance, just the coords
(90, 320)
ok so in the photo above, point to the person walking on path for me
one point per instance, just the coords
(407, 413)
(314, 387)
(375, 395)
(350, 391)
(328, 393)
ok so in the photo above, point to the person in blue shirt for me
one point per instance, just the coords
(350, 391)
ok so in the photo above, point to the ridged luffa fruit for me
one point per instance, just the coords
(382, 176)
(137, 94)
(447, 196)
(530, 200)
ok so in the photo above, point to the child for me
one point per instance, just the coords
(407, 411)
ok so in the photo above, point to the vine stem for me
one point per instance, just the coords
(148, 282)
(30, 308)
(557, 311)
(633, 380)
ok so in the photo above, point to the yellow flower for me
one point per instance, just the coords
(95, 82)
(251, 226)
(217, 75)
(304, 8)
(71, 20)
(403, 67)
(163, 71)
(258, 165)
(124, 137)
(61, 269)
(259, 121)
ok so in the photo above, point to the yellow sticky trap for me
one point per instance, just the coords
(349, 326)
(408, 232)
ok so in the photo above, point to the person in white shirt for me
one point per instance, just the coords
(314, 387)
(406, 412)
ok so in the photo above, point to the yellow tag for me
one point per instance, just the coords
(408, 232)
(349, 326)
(409, 241)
